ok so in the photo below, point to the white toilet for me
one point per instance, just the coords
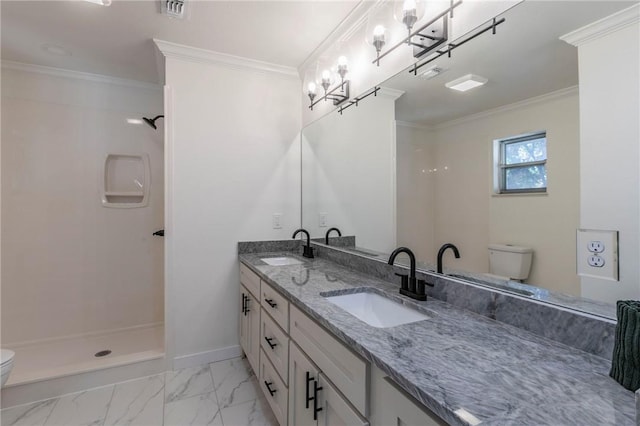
(510, 262)
(6, 364)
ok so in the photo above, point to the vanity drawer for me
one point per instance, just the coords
(274, 389)
(346, 370)
(250, 280)
(275, 305)
(275, 343)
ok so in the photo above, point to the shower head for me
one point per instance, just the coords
(152, 121)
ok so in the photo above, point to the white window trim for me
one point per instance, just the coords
(497, 169)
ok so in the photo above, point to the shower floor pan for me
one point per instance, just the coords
(73, 355)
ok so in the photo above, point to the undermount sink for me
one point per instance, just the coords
(281, 261)
(376, 310)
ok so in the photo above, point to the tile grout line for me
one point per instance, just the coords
(164, 395)
(106, 413)
(215, 391)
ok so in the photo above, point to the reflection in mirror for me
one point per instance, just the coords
(494, 170)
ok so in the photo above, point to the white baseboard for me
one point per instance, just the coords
(207, 357)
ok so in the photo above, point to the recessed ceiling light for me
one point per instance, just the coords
(100, 2)
(466, 82)
(432, 72)
(54, 49)
(134, 121)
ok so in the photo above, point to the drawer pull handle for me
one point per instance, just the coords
(271, 303)
(269, 339)
(316, 409)
(244, 304)
(268, 385)
(307, 397)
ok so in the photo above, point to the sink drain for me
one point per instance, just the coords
(102, 353)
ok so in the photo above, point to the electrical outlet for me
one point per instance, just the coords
(597, 254)
(596, 246)
(322, 220)
(277, 221)
(596, 261)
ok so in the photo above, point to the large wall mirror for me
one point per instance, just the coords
(417, 165)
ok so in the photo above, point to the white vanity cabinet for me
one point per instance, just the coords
(250, 326)
(392, 406)
(313, 399)
(308, 376)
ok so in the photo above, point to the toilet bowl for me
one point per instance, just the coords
(6, 364)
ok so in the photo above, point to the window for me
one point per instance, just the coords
(521, 164)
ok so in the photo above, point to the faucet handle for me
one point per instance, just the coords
(420, 287)
(404, 281)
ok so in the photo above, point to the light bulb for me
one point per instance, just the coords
(409, 5)
(326, 75)
(379, 31)
(311, 88)
(342, 61)
(378, 38)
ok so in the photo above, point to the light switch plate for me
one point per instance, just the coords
(597, 254)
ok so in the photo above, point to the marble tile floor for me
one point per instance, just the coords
(224, 393)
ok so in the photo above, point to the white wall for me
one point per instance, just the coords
(349, 172)
(233, 161)
(70, 265)
(415, 183)
(468, 214)
(610, 150)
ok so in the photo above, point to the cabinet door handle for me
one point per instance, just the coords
(268, 385)
(307, 397)
(246, 306)
(316, 409)
(271, 303)
(269, 339)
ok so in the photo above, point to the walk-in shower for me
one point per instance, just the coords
(82, 194)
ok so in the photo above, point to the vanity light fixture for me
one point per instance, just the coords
(466, 82)
(423, 40)
(339, 93)
(451, 46)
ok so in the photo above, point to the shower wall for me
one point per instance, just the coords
(70, 265)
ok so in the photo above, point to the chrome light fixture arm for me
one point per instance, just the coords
(420, 49)
(338, 94)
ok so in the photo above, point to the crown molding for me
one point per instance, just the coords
(604, 26)
(78, 75)
(569, 91)
(343, 31)
(203, 56)
(413, 125)
(388, 92)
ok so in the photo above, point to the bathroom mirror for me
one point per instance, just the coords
(415, 165)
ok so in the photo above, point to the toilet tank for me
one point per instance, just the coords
(510, 261)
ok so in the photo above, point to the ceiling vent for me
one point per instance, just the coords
(174, 8)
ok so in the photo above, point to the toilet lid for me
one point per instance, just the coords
(6, 356)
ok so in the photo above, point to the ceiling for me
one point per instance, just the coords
(523, 60)
(117, 40)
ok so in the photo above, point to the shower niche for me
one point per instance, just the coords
(126, 181)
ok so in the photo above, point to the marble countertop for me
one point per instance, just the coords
(466, 368)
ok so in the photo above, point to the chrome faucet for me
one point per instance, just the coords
(444, 248)
(308, 250)
(326, 236)
(410, 286)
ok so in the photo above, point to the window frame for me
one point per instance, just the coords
(500, 166)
